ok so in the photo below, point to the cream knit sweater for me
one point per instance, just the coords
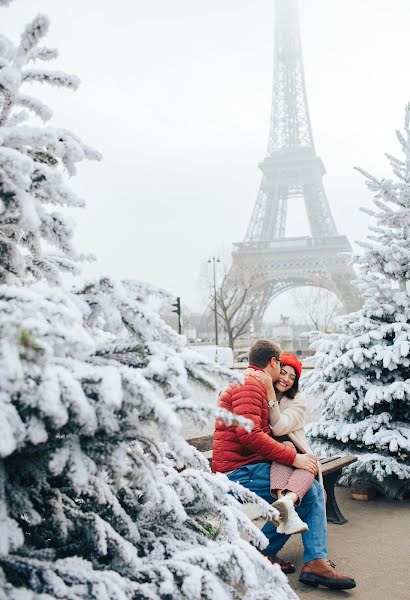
(290, 421)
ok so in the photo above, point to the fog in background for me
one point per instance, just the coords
(176, 94)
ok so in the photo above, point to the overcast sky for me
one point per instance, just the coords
(176, 95)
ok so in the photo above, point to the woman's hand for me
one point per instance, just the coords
(265, 379)
(308, 462)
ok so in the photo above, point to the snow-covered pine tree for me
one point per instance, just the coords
(100, 496)
(362, 374)
(36, 240)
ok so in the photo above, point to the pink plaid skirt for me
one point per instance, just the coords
(293, 480)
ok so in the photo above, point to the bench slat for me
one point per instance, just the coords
(203, 443)
(331, 465)
(337, 464)
(323, 461)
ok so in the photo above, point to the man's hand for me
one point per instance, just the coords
(308, 462)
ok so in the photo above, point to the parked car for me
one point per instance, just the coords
(243, 357)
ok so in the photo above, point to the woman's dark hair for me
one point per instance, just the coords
(291, 393)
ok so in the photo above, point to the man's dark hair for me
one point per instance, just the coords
(262, 351)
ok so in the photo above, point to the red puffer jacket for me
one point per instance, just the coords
(233, 446)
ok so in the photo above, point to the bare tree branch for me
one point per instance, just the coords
(233, 305)
(318, 306)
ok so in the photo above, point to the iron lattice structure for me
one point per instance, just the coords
(292, 170)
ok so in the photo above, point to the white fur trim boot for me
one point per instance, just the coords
(290, 522)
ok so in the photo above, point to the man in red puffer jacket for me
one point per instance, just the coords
(246, 458)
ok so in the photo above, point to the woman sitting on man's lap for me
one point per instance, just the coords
(287, 420)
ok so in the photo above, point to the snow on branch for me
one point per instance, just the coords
(35, 105)
(32, 34)
(55, 78)
(43, 53)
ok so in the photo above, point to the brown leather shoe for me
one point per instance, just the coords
(287, 567)
(322, 572)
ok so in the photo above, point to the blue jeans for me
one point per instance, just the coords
(256, 477)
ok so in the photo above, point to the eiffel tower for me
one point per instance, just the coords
(292, 170)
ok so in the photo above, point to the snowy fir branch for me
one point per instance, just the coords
(362, 372)
(55, 78)
(30, 37)
(32, 164)
(43, 53)
(35, 105)
(23, 142)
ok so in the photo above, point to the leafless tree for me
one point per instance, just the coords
(317, 306)
(234, 309)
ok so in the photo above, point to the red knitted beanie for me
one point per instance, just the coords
(291, 361)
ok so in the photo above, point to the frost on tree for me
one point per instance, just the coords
(35, 238)
(362, 374)
(100, 496)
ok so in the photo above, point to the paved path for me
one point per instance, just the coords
(373, 547)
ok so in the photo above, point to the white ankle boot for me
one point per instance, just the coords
(290, 522)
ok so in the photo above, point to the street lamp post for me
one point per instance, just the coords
(214, 260)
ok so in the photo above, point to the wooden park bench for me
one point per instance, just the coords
(331, 470)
